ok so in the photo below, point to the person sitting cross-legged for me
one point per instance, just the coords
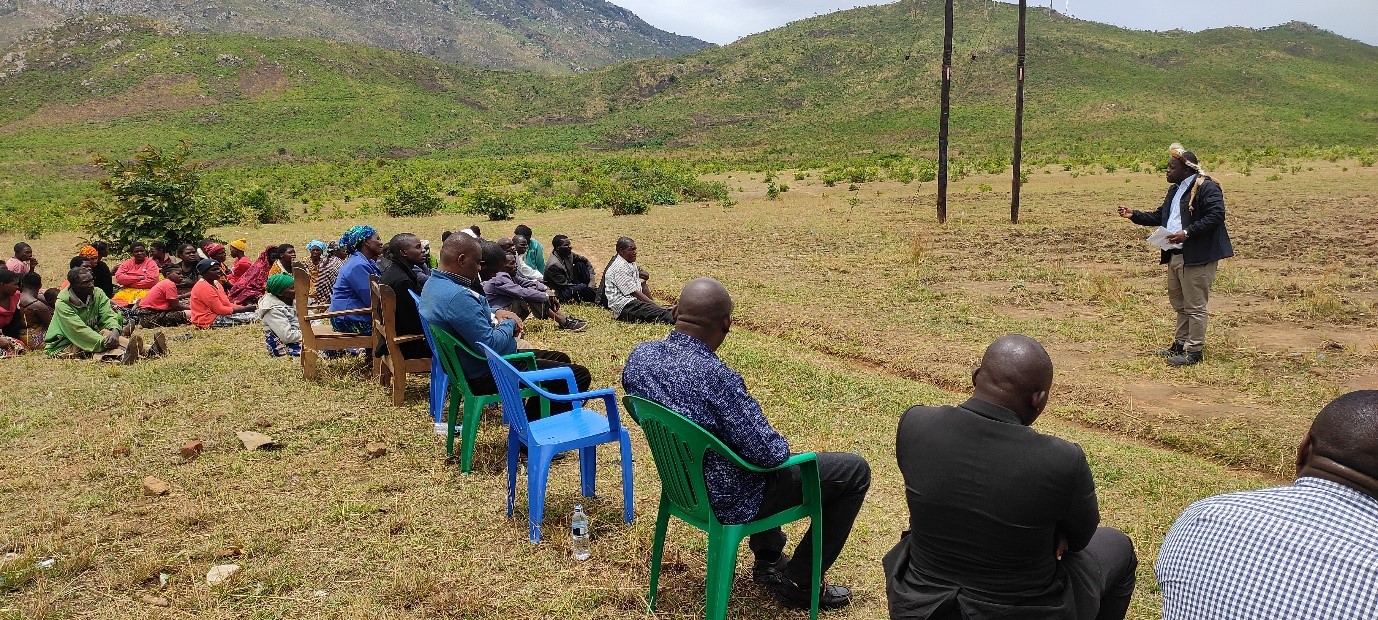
(281, 331)
(508, 291)
(136, 275)
(35, 310)
(23, 261)
(450, 301)
(683, 373)
(163, 306)
(1002, 519)
(627, 288)
(570, 274)
(1306, 550)
(520, 245)
(86, 325)
(210, 304)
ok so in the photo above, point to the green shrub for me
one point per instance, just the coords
(414, 198)
(489, 203)
(155, 197)
(772, 191)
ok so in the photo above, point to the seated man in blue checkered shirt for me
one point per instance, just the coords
(1309, 550)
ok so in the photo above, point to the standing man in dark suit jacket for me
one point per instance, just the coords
(1193, 212)
(1002, 519)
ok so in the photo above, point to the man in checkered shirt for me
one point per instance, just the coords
(1309, 550)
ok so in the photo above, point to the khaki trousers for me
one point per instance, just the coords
(1189, 288)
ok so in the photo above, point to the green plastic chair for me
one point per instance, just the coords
(678, 446)
(450, 348)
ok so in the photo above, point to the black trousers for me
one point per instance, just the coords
(544, 359)
(576, 293)
(843, 479)
(637, 311)
(1104, 570)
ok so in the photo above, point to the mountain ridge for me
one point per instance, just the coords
(556, 36)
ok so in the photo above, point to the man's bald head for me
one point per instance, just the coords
(1015, 373)
(1346, 431)
(460, 255)
(704, 311)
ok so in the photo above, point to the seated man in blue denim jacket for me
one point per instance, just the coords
(453, 300)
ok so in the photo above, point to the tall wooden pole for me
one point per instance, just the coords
(942, 122)
(1018, 122)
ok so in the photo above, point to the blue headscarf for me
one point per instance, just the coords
(356, 235)
(315, 244)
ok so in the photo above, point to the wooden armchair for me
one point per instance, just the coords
(316, 339)
(393, 368)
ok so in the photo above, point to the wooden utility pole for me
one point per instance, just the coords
(1018, 122)
(942, 121)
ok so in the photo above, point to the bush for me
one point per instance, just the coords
(772, 191)
(412, 199)
(491, 204)
(155, 197)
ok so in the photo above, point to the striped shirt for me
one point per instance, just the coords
(1309, 550)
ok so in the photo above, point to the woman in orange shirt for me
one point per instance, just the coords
(210, 305)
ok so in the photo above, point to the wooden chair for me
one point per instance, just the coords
(316, 339)
(392, 368)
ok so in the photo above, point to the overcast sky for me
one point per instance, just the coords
(724, 21)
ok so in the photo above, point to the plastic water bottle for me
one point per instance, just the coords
(579, 533)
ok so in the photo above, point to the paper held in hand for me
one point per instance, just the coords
(1158, 239)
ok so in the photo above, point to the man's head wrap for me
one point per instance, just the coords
(88, 252)
(240, 244)
(1179, 152)
(315, 245)
(211, 248)
(356, 235)
(204, 265)
(278, 283)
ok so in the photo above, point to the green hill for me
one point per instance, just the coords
(559, 36)
(298, 114)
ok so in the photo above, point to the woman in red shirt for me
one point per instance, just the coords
(136, 275)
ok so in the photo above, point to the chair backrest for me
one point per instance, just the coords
(425, 325)
(509, 388)
(384, 309)
(448, 347)
(678, 446)
(299, 275)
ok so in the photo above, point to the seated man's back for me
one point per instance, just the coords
(1003, 519)
(1308, 550)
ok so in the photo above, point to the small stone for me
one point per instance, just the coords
(157, 601)
(154, 486)
(221, 573)
(120, 451)
(262, 423)
(193, 448)
(232, 551)
(375, 449)
(254, 440)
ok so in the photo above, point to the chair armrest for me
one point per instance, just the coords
(337, 313)
(532, 377)
(406, 339)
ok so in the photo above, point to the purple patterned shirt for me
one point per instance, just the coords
(683, 374)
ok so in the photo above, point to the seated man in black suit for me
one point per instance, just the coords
(1003, 519)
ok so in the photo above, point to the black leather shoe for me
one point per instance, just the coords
(1185, 358)
(1175, 349)
(769, 574)
(829, 596)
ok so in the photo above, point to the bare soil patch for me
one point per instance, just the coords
(159, 92)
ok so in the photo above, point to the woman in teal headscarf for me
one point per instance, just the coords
(351, 290)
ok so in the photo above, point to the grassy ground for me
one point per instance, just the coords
(852, 305)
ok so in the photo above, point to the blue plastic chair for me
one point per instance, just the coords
(440, 382)
(577, 429)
